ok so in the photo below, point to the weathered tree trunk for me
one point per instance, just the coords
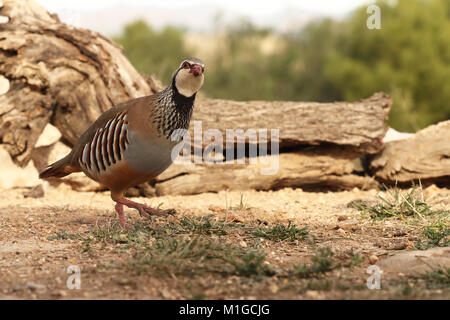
(360, 125)
(424, 156)
(54, 72)
(316, 168)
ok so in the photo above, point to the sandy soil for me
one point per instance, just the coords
(41, 237)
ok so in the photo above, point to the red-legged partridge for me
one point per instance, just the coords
(132, 142)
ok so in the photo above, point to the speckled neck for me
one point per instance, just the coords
(173, 111)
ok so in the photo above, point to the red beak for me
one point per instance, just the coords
(196, 70)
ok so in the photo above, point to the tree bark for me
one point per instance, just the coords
(59, 74)
(424, 156)
(359, 126)
(330, 168)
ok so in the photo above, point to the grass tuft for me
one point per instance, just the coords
(241, 206)
(177, 256)
(322, 263)
(439, 278)
(281, 232)
(249, 264)
(63, 235)
(398, 204)
(186, 256)
(203, 225)
(355, 260)
(438, 235)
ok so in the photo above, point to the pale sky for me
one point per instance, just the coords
(109, 16)
(249, 7)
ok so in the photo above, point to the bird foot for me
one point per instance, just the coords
(145, 211)
(122, 219)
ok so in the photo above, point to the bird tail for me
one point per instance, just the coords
(58, 169)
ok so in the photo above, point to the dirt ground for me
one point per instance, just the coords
(165, 258)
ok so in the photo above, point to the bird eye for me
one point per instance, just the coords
(185, 65)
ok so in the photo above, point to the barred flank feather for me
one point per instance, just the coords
(106, 147)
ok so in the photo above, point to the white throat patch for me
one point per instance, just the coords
(187, 84)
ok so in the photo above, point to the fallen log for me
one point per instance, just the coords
(424, 156)
(359, 125)
(316, 168)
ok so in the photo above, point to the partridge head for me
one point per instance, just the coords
(132, 142)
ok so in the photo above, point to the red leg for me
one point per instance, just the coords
(143, 209)
(122, 219)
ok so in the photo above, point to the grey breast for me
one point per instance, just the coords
(149, 155)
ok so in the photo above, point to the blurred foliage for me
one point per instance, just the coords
(239, 69)
(408, 58)
(153, 52)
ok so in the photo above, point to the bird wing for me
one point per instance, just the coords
(104, 141)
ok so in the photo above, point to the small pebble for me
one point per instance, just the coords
(123, 237)
(373, 259)
(273, 288)
(59, 293)
(243, 244)
(312, 294)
